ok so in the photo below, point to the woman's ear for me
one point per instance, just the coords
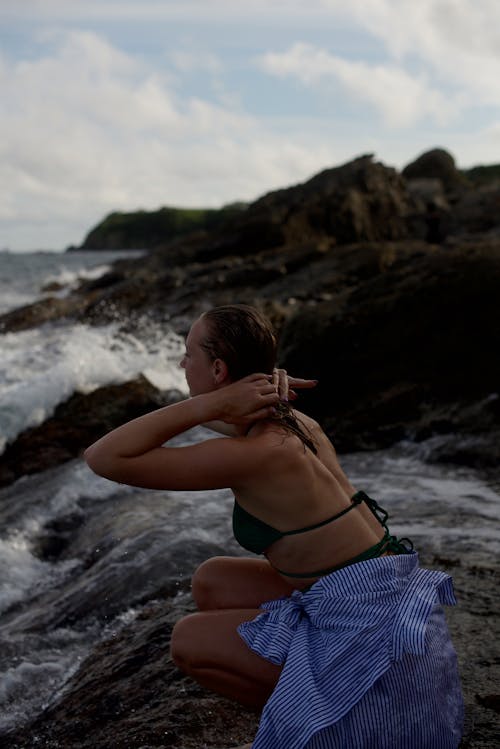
(220, 371)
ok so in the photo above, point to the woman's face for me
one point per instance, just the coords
(196, 362)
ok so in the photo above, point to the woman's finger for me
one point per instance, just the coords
(276, 379)
(298, 382)
(280, 380)
(267, 389)
(263, 413)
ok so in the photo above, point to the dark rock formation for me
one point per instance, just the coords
(76, 424)
(453, 202)
(435, 164)
(478, 212)
(128, 694)
(410, 352)
(483, 174)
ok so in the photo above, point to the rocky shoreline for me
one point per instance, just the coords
(128, 695)
(384, 287)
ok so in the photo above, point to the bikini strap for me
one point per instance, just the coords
(356, 500)
(396, 545)
(387, 543)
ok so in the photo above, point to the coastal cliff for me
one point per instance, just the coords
(145, 229)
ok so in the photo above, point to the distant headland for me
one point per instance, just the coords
(143, 229)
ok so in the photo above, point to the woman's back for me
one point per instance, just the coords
(295, 489)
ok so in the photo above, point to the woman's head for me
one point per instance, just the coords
(228, 343)
(241, 337)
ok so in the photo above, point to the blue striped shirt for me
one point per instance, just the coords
(368, 662)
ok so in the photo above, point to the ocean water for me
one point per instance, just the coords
(125, 545)
(41, 367)
(25, 276)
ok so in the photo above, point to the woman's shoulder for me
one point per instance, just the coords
(307, 421)
(273, 444)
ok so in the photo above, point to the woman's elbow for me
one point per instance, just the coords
(97, 462)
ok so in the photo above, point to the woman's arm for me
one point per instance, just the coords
(135, 454)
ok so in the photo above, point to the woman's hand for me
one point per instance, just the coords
(249, 399)
(256, 396)
(285, 384)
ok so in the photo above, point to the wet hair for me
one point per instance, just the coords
(245, 340)
(242, 337)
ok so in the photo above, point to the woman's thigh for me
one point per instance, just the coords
(236, 583)
(206, 645)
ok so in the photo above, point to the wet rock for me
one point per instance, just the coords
(128, 694)
(109, 581)
(408, 353)
(42, 311)
(77, 423)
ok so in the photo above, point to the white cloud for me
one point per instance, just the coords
(189, 60)
(457, 40)
(87, 129)
(401, 98)
(211, 11)
(443, 58)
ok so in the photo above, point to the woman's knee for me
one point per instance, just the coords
(207, 582)
(181, 643)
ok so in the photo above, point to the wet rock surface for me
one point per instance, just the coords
(128, 694)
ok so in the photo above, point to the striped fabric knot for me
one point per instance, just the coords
(290, 608)
(271, 633)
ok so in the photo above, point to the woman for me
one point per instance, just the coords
(336, 632)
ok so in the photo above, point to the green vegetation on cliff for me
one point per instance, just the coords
(483, 174)
(147, 229)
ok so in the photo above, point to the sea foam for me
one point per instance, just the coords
(41, 368)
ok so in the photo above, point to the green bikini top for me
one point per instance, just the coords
(257, 536)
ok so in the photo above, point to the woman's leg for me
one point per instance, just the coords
(207, 647)
(236, 583)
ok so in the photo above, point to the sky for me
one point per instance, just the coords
(124, 105)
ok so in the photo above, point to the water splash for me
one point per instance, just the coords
(41, 368)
